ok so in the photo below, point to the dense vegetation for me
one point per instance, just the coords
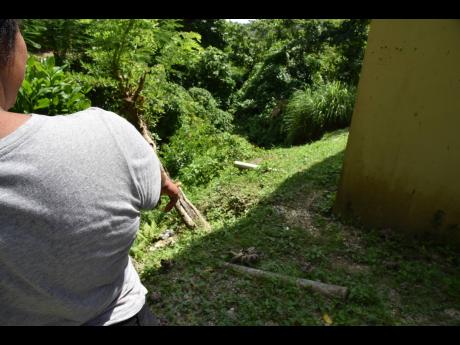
(207, 84)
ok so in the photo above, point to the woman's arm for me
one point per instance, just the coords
(169, 188)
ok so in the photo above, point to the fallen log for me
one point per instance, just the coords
(243, 165)
(326, 289)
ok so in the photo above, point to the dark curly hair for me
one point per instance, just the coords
(8, 31)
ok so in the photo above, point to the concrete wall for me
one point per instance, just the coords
(402, 162)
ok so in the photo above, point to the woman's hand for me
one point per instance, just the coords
(170, 189)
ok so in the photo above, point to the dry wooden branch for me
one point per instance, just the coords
(326, 289)
(187, 211)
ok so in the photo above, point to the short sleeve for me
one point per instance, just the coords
(142, 161)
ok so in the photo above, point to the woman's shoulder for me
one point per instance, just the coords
(119, 126)
(93, 111)
(101, 113)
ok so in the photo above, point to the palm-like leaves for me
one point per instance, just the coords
(310, 113)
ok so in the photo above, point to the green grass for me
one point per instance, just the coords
(283, 210)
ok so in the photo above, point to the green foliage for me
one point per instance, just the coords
(124, 52)
(130, 47)
(197, 152)
(207, 108)
(350, 38)
(213, 72)
(251, 70)
(50, 90)
(63, 37)
(121, 48)
(177, 105)
(293, 55)
(247, 77)
(310, 113)
(146, 234)
(242, 48)
(103, 91)
(287, 66)
(212, 31)
(32, 30)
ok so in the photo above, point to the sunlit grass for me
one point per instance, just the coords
(283, 209)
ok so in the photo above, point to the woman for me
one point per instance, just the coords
(71, 191)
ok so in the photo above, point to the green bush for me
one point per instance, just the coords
(177, 105)
(312, 112)
(197, 152)
(49, 90)
(207, 108)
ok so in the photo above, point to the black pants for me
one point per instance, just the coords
(143, 318)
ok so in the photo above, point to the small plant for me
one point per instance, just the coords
(49, 90)
(315, 254)
(145, 236)
(364, 294)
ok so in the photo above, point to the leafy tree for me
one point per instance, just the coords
(32, 30)
(133, 58)
(212, 72)
(242, 49)
(289, 65)
(240, 44)
(177, 106)
(350, 37)
(212, 31)
(60, 36)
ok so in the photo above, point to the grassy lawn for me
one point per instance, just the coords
(283, 210)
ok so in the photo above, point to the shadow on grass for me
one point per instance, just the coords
(296, 235)
(197, 290)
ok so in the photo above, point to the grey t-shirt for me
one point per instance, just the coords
(71, 191)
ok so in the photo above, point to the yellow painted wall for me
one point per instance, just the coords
(402, 162)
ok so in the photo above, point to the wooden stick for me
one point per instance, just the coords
(326, 289)
(243, 165)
